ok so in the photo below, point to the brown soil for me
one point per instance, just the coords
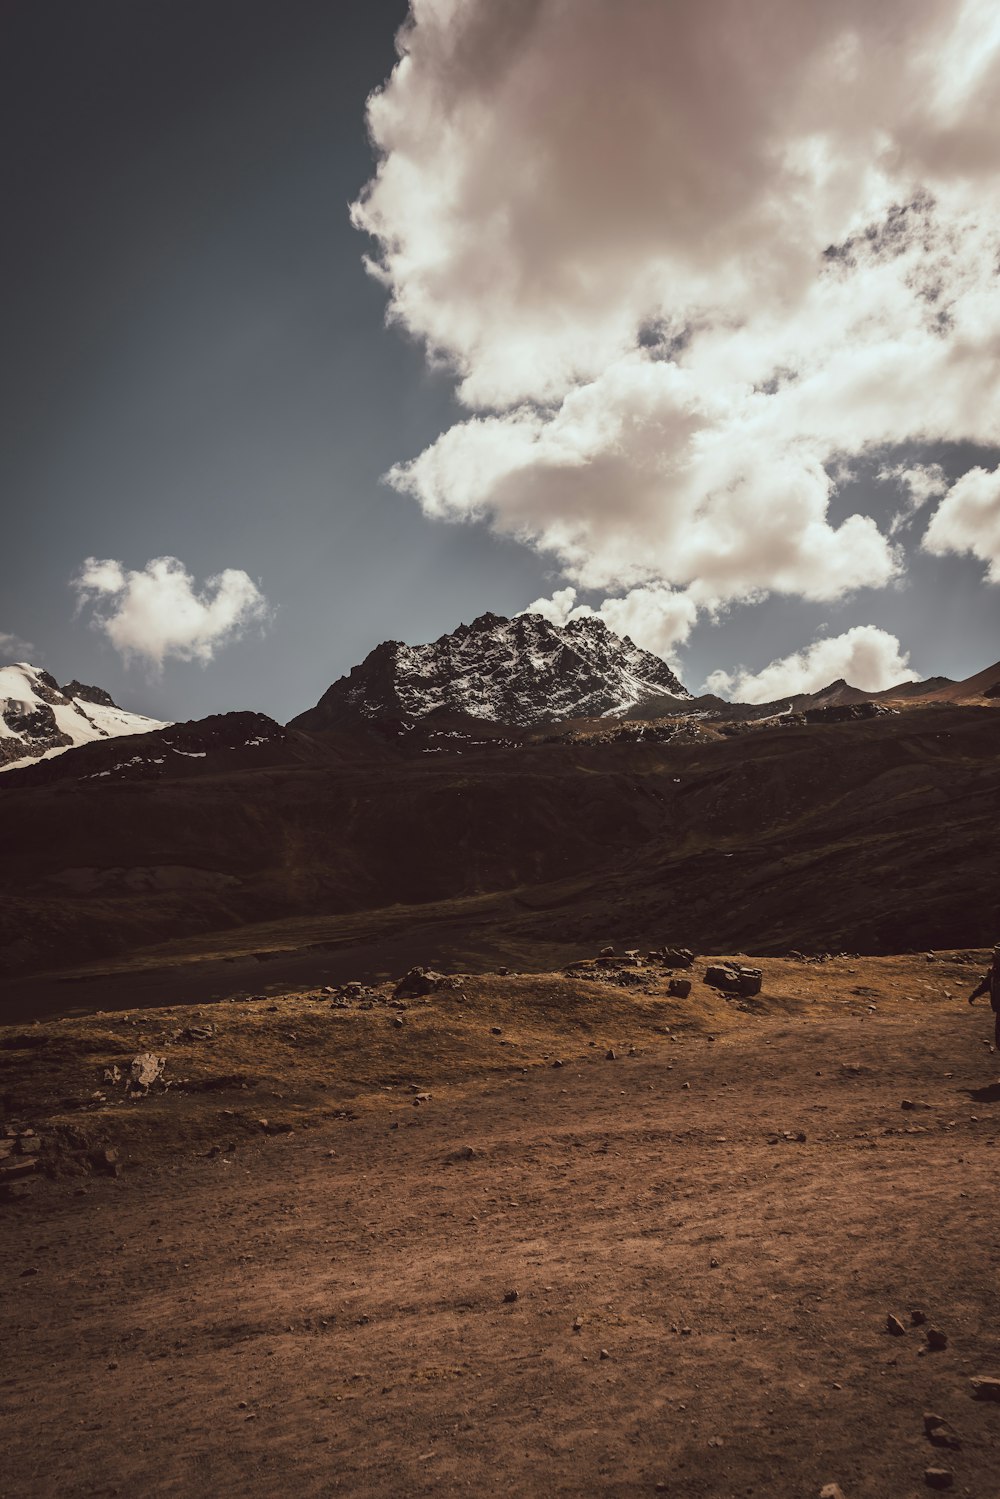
(323, 1312)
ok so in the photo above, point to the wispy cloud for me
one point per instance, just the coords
(14, 645)
(158, 612)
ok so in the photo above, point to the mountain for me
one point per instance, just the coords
(38, 718)
(517, 671)
(983, 687)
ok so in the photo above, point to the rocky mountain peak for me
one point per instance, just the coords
(518, 671)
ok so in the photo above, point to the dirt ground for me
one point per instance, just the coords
(704, 1238)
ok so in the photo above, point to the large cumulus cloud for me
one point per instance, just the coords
(687, 262)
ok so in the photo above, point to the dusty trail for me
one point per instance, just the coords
(324, 1313)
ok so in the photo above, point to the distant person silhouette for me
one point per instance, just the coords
(990, 984)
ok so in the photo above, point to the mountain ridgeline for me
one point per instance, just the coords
(519, 671)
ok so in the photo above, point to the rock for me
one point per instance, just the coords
(939, 1478)
(144, 1070)
(106, 1161)
(894, 1326)
(606, 952)
(16, 1167)
(917, 1316)
(496, 1030)
(397, 1022)
(679, 988)
(420, 981)
(985, 1387)
(510, 1296)
(939, 1430)
(831, 1491)
(936, 1339)
(577, 1324)
(733, 978)
(611, 1055)
(28, 1145)
(605, 1353)
(464, 1153)
(911, 1104)
(557, 1063)
(677, 957)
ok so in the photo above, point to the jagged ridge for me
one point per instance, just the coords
(517, 671)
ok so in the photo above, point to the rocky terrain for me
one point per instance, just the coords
(556, 1233)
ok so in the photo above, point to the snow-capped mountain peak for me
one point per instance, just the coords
(518, 671)
(38, 718)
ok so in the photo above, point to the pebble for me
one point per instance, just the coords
(894, 1326)
(939, 1478)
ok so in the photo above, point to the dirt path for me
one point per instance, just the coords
(325, 1313)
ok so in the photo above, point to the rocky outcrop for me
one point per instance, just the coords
(519, 671)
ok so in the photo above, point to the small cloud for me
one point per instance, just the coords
(557, 609)
(14, 645)
(157, 612)
(864, 656)
(658, 619)
(968, 520)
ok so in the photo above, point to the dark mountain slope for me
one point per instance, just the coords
(876, 833)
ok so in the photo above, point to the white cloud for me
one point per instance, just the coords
(687, 262)
(658, 619)
(968, 520)
(558, 609)
(157, 612)
(865, 657)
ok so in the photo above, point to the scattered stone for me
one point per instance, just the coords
(939, 1478)
(611, 1055)
(577, 1324)
(713, 1263)
(734, 978)
(420, 981)
(831, 1490)
(606, 952)
(917, 1316)
(677, 957)
(16, 1167)
(397, 1022)
(936, 1339)
(939, 1430)
(496, 1030)
(985, 1387)
(510, 1296)
(144, 1070)
(106, 1161)
(894, 1326)
(910, 1104)
(679, 988)
(465, 1153)
(557, 1063)
(605, 1353)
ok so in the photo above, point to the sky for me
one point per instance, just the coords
(319, 332)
